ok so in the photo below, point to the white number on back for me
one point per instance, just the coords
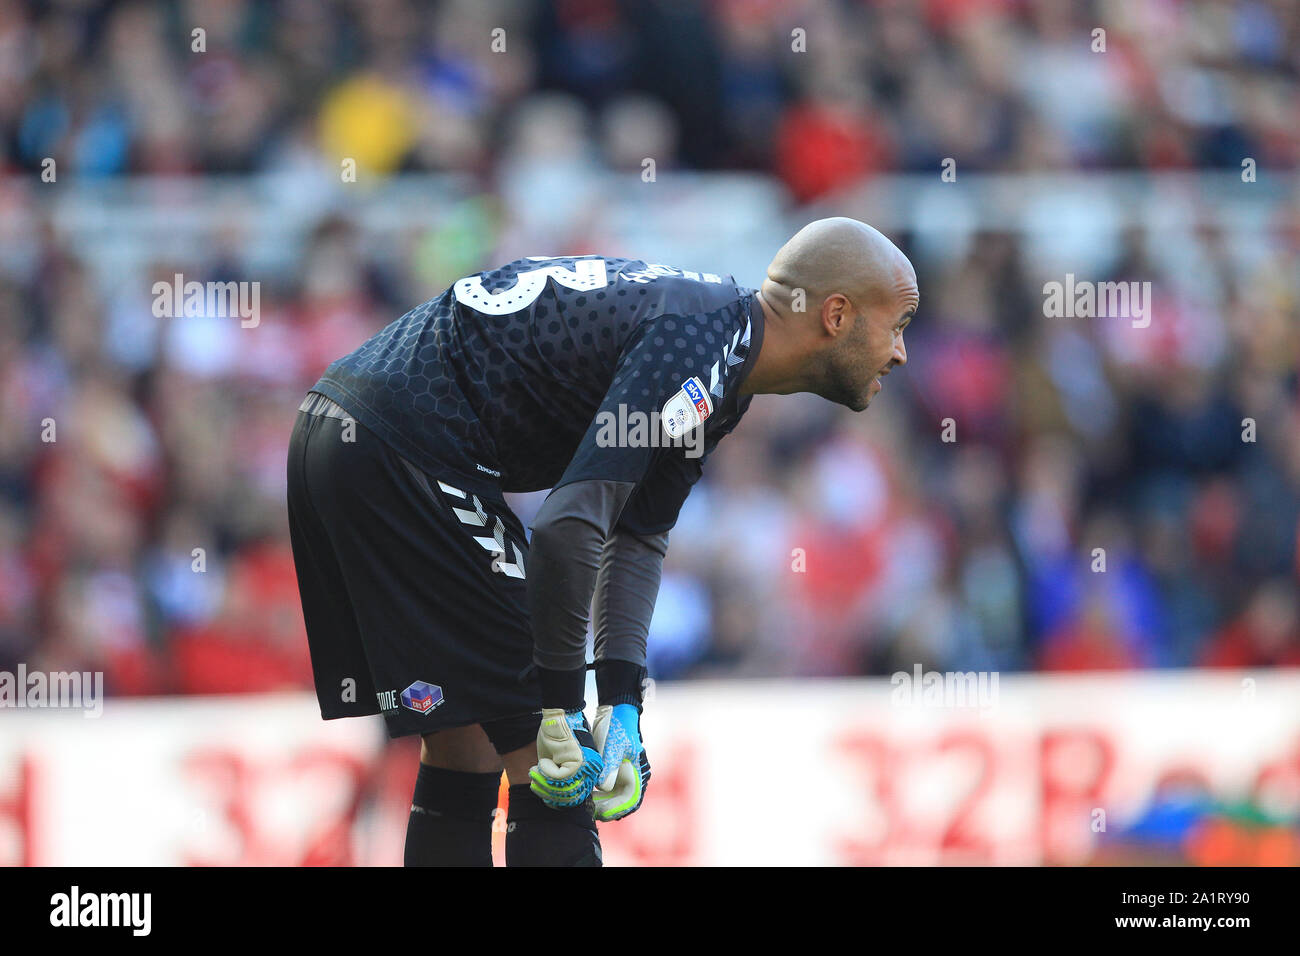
(586, 275)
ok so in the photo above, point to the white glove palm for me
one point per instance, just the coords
(617, 735)
(568, 762)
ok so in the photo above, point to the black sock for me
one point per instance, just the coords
(451, 818)
(537, 835)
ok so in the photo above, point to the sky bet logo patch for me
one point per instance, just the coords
(694, 388)
(686, 410)
(422, 698)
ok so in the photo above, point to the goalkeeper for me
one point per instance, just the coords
(609, 381)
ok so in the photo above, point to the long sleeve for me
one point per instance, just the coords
(630, 472)
(626, 587)
(569, 536)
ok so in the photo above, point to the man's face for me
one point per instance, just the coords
(872, 348)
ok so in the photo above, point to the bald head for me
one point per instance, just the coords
(838, 255)
(837, 298)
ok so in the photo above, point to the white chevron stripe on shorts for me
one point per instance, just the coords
(496, 544)
(468, 517)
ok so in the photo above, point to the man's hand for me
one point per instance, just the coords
(568, 761)
(626, 770)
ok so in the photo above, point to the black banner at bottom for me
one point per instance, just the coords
(384, 906)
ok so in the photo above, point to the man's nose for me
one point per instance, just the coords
(900, 351)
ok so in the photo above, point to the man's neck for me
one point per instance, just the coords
(776, 369)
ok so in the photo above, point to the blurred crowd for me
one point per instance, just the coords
(822, 92)
(1113, 497)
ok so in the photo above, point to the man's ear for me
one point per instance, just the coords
(837, 316)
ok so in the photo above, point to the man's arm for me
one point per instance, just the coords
(569, 538)
(632, 567)
(574, 554)
(606, 539)
(570, 534)
(626, 588)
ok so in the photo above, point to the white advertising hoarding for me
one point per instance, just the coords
(1036, 770)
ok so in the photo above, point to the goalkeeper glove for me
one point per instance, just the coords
(618, 738)
(568, 762)
(626, 767)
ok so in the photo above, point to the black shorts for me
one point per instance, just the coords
(412, 588)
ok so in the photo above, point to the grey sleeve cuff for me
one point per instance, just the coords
(630, 570)
(564, 555)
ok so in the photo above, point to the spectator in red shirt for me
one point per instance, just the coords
(1266, 634)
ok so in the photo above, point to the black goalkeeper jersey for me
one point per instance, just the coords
(548, 371)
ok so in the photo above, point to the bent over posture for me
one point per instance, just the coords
(608, 380)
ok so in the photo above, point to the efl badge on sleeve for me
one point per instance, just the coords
(687, 409)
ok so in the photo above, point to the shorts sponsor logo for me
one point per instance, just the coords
(421, 697)
(387, 700)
